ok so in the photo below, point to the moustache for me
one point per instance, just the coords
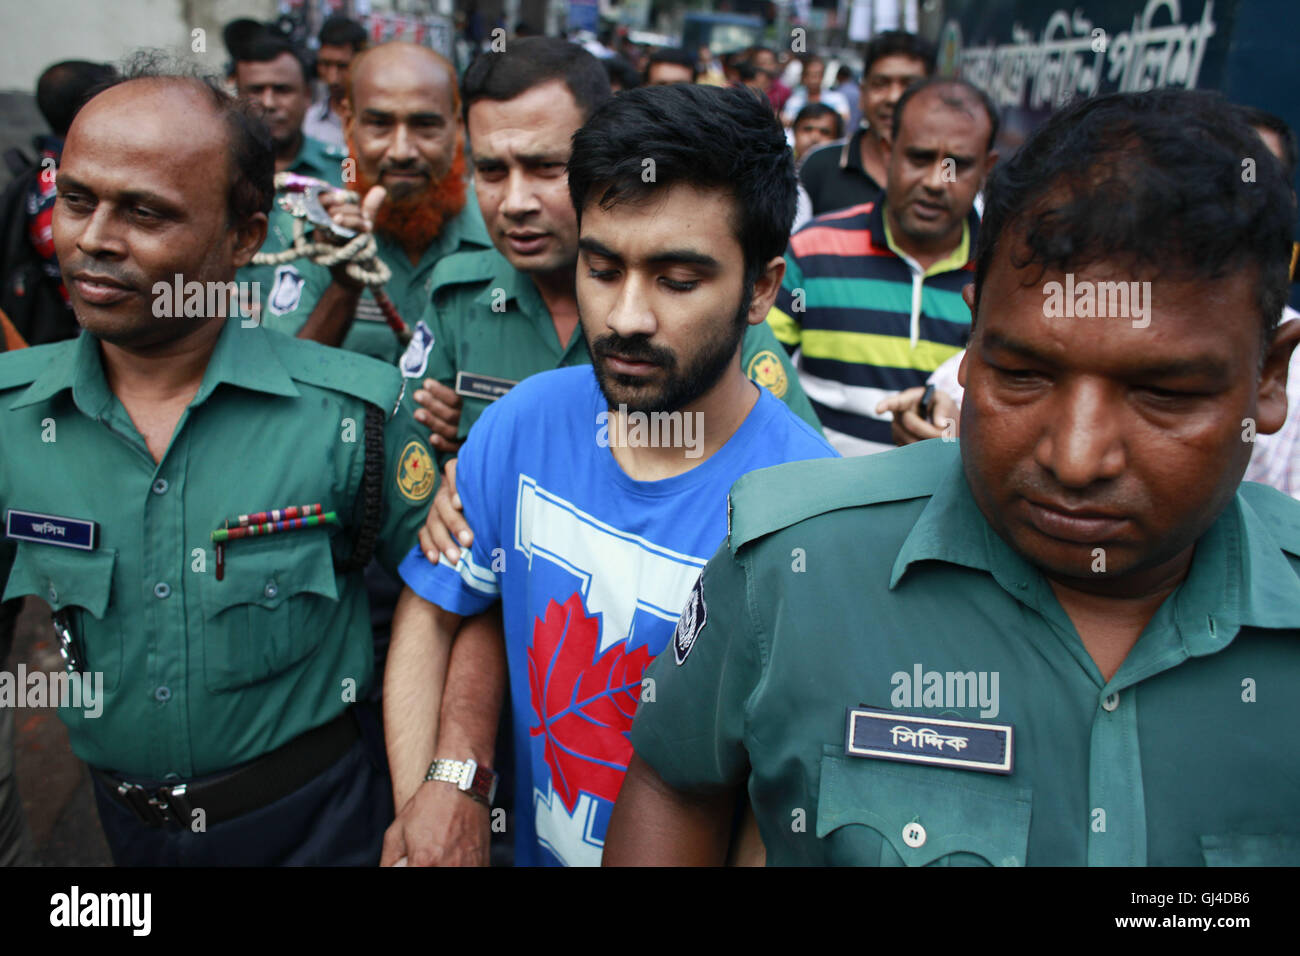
(73, 267)
(418, 169)
(636, 348)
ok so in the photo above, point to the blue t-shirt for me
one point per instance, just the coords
(593, 569)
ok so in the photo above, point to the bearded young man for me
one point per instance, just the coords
(589, 532)
(406, 139)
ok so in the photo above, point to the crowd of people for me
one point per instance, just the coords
(524, 481)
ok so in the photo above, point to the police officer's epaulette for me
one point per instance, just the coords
(1278, 512)
(20, 367)
(770, 499)
(339, 370)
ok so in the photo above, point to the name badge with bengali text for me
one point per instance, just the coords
(487, 387)
(939, 741)
(51, 529)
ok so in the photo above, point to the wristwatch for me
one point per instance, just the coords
(471, 779)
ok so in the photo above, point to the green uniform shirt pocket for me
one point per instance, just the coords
(80, 583)
(1249, 849)
(275, 604)
(872, 812)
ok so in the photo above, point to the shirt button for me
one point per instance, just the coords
(271, 589)
(914, 835)
(162, 694)
(162, 589)
(160, 486)
(1111, 702)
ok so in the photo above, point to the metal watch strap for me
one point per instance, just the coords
(471, 779)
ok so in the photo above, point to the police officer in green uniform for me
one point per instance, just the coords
(501, 315)
(270, 73)
(405, 132)
(195, 499)
(1071, 638)
(281, 285)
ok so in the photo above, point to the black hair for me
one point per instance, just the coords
(529, 62)
(675, 55)
(817, 110)
(252, 154)
(746, 70)
(1257, 119)
(620, 71)
(704, 136)
(341, 31)
(1151, 179)
(953, 99)
(898, 43)
(266, 46)
(64, 88)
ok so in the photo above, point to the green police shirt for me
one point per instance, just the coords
(319, 161)
(876, 585)
(293, 298)
(490, 329)
(200, 673)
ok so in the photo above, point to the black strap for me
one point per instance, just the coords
(244, 789)
(372, 494)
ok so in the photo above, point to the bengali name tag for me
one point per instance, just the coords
(482, 386)
(940, 741)
(51, 529)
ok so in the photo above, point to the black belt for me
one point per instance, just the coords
(244, 789)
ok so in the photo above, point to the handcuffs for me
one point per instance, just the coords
(299, 196)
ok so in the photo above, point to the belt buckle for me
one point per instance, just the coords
(165, 805)
(172, 805)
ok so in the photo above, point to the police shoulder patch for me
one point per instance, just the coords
(690, 623)
(416, 357)
(286, 290)
(415, 472)
(765, 369)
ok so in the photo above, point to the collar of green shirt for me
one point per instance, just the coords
(313, 159)
(465, 229)
(1240, 575)
(518, 287)
(242, 358)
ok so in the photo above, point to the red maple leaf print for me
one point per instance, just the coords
(585, 703)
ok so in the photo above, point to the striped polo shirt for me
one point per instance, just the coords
(867, 320)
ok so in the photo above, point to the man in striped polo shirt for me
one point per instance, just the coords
(872, 294)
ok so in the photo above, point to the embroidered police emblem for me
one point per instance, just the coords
(690, 623)
(415, 472)
(766, 369)
(416, 357)
(286, 291)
